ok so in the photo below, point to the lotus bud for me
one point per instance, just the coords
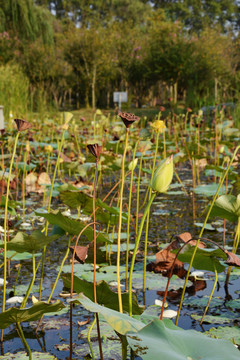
(221, 150)
(133, 164)
(27, 146)
(163, 175)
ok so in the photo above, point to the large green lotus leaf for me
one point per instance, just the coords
(210, 189)
(23, 356)
(163, 340)
(231, 333)
(122, 323)
(14, 315)
(205, 259)
(105, 296)
(71, 226)
(19, 256)
(75, 198)
(201, 302)
(105, 214)
(233, 304)
(29, 243)
(111, 349)
(225, 318)
(227, 207)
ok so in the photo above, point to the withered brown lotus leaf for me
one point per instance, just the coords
(232, 259)
(95, 150)
(128, 118)
(165, 258)
(186, 236)
(81, 253)
(22, 124)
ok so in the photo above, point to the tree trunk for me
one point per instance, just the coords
(216, 90)
(175, 92)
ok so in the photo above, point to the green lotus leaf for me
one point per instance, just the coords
(205, 259)
(71, 226)
(29, 243)
(120, 322)
(164, 340)
(105, 296)
(14, 315)
(210, 189)
(227, 207)
(105, 214)
(231, 333)
(23, 356)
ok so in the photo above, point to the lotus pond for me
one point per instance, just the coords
(119, 237)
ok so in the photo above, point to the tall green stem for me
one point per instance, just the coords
(138, 191)
(31, 283)
(5, 227)
(200, 235)
(120, 223)
(147, 222)
(129, 214)
(24, 341)
(146, 211)
(49, 207)
(23, 182)
(211, 295)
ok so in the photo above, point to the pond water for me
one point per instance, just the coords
(171, 214)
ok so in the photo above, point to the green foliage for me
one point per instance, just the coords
(205, 259)
(162, 339)
(29, 243)
(14, 315)
(105, 296)
(73, 227)
(227, 207)
(14, 90)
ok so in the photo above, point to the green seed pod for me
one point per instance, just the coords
(163, 175)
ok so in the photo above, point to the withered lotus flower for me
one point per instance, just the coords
(81, 253)
(95, 150)
(128, 118)
(22, 124)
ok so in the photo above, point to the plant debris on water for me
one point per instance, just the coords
(123, 243)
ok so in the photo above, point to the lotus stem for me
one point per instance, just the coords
(24, 341)
(138, 191)
(89, 338)
(147, 221)
(211, 295)
(60, 270)
(146, 211)
(23, 182)
(120, 224)
(31, 283)
(129, 214)
(5, 227)
(49, 207)
(202, 230)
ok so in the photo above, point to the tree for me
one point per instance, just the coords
(26, 20)
(197, 14)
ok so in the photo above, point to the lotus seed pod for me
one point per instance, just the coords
(163, 175)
